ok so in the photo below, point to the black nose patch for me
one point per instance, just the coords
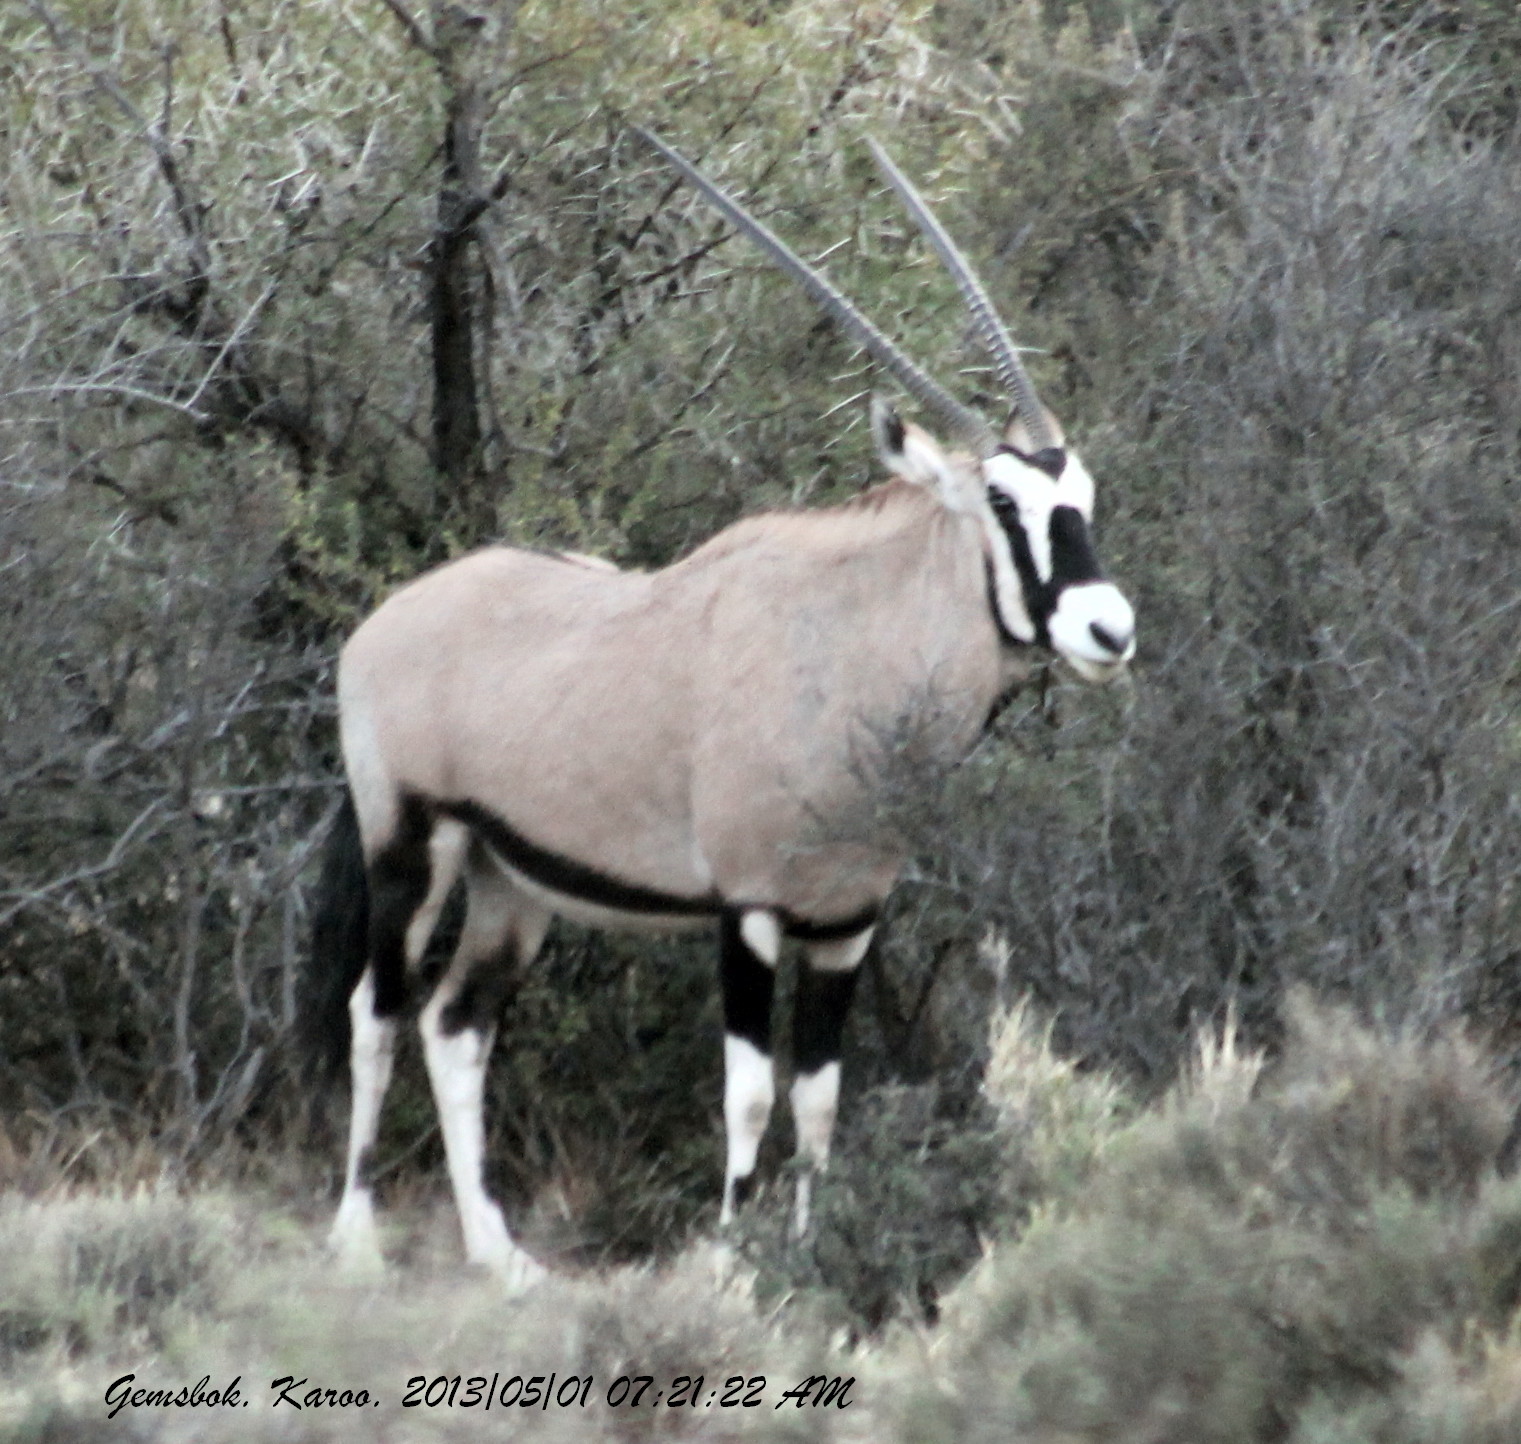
(1105, 638)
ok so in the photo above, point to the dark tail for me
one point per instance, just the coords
(340, 938)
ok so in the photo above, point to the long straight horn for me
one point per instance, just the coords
(995, 336)
(966, 423)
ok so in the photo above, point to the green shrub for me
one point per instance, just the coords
(1234, 1259)
(110, 1273)
(1054, 1119)
(912, 1190)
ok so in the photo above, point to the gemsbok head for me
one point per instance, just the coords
(674, 748)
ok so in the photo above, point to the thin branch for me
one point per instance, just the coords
(30, 897)
(150, 506)
(186, 210)
(234, 336)
(115, 388)
(415, 33)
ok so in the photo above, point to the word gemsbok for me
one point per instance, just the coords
(681, 747)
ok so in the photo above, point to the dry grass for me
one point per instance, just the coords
(1320, 1250)
(1055, 1118)
(173, 1288)
(1289, 1252)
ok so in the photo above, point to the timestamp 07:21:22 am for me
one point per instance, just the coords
(577, 1391)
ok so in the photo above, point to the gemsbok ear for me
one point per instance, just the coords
(910, 452)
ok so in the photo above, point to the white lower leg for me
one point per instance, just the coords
(749, 1089)
(815, 1097)
(353, 1236)
(457, 1070)
(824, 988)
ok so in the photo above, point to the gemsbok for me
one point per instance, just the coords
(685, 747)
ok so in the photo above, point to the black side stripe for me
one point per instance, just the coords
(562, 874)
(812, 932)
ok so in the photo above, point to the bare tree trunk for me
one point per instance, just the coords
(453, 282)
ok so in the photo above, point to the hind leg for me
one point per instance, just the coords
(409, 879)
(825, 983)
(353, 1238)
(502, 932)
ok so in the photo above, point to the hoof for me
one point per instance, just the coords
(353, 1242)
(515, 1270)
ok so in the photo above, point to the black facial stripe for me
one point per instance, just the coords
(1072, 555)
(1007, 512)
(1073, 560)
(1004, 634)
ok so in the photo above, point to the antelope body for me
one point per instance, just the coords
(689, 746)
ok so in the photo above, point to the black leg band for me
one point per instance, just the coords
(818, 1017)
(398, 880)
(483, 993)
(748, 986)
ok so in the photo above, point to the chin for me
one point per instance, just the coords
(1088, 670)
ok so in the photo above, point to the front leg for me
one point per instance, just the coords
(749, 946)
(826, 981)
